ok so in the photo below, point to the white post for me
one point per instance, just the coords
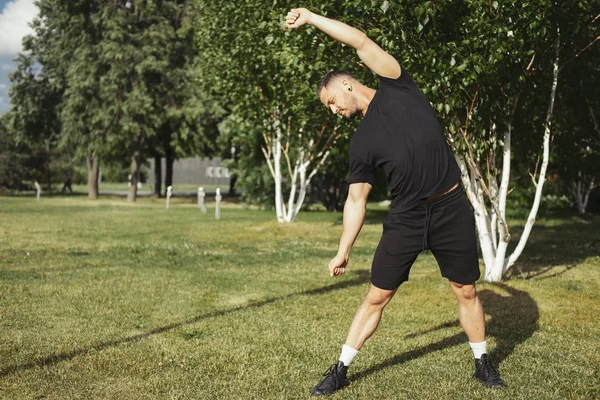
(218, 198)
(201, 196)
(39, 190)
(169, 193)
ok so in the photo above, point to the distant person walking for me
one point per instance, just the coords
(400, 134)
(68, 181)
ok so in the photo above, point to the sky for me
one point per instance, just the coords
(15, 16)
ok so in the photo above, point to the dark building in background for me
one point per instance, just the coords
(194, 171)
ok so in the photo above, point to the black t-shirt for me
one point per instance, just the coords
(401, 135)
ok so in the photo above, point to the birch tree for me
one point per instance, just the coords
(266, 78)
(482, 133)
(309, 158)
(492, 226)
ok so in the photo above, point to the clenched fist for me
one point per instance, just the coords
(297, 17)
(337, 266)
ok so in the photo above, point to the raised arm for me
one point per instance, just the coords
(370, 53)
(354, 217)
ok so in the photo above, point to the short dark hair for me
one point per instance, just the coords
(330, 76)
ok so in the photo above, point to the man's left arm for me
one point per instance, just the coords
(374, 57)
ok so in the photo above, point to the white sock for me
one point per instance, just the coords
(348, 354)
(478, 348)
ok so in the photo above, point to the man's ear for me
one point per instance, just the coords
(347, 85)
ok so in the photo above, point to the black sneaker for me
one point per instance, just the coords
(335, 379)
(486, 373)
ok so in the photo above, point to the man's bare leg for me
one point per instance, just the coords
(470, 311)
(472, 320)
(367, 317)
(365, 322)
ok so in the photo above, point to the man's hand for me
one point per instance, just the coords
(337, 266)
(297, 17)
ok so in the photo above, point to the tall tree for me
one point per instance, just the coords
(69, 63)
(14, 158)
(260, 71)
(36, 96)
(118, 81)
(152, 84)
(86, 122)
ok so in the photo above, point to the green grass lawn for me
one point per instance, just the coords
(110, 300)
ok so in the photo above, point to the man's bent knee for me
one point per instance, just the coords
(379, 297)
(466, 292)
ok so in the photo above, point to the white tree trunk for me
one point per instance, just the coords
(492, 228)
(273, 152)
(586, 197)
(506, 166)
(302, 193)
(482, 220)
(276, 151)
(305, 182)
(501, 236)
(580, 190)
(292, 196)
(542, 176)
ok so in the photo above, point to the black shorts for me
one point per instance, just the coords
(445, 225)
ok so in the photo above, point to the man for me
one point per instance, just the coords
(68, 180)
(399, 133)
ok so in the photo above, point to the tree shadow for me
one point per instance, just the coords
(567, 244)
(360, 277)
(513, 319)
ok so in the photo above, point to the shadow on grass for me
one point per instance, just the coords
(567, 244)
(361, 277)
(514, 319)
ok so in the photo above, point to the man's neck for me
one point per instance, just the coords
(366, 95)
